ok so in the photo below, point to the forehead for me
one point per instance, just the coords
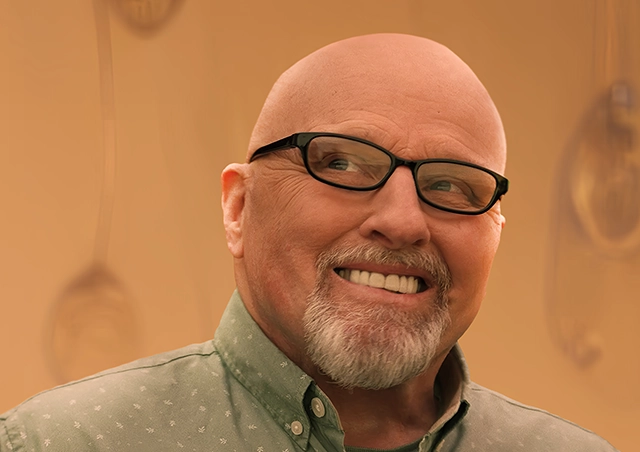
(419, 131)
(407, 94)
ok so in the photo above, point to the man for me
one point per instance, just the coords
(363, 227)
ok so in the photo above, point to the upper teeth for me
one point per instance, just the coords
(394, 283)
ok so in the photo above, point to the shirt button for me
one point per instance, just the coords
(296, 427)
(318, 407)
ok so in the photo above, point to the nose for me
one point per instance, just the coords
(397, 218)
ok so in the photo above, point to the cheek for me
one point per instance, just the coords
(287, 225)
(285, 230)
(300, 211)
(469, 251)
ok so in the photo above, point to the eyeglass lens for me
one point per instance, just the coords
(353, 164)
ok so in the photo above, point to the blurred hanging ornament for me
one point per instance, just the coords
(92, 324)
(146, 16)
(593, 287)
(605, 174)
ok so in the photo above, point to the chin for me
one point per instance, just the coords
(371, 346)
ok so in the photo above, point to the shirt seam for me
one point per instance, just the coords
(12, 445)
(107, 373)
(529, 408)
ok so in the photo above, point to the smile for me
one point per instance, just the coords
(392, 283)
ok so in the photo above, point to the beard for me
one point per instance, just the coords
(370, 345)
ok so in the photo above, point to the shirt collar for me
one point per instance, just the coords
(452, 385)
(281, 386)
(262, 368)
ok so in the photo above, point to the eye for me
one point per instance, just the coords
(341, 164)
(447, 186)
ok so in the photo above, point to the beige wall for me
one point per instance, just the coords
(186, 100)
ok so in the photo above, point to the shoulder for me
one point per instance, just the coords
(497, 421)
(140, 393)
(158, 373)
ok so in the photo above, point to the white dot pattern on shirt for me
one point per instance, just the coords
(155, 413)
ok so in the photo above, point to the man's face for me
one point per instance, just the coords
(303, 240)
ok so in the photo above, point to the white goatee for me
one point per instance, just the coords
(367, 345)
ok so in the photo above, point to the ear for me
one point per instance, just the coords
(233, 181)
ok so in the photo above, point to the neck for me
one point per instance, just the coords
(388, 418)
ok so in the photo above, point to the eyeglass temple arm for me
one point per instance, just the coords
(287, 142)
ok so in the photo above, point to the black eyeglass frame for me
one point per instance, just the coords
(301, 141)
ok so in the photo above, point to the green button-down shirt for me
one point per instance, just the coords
(240, 393)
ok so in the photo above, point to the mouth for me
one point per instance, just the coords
(401, 284)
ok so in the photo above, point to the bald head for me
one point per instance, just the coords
(377, 74)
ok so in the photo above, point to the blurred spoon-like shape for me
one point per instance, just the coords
(146, 17)
(93, 326)
(592, 279)
(605, 176)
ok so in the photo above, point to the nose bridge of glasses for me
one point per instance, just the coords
(398, 162)
(410, 164)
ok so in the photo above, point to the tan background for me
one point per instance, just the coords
(186, 99)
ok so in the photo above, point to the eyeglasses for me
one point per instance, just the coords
(355, 164)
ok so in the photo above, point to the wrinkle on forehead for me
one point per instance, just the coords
(383, 74)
